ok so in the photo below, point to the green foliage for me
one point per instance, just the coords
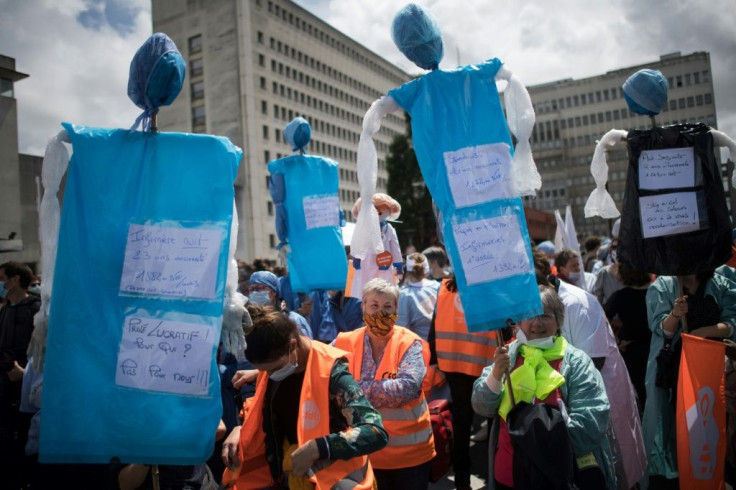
(406, 185)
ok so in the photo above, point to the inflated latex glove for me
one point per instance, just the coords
(235, 318)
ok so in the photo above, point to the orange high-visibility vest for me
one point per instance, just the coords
(410, 439)
(314, 422)
(459, 351)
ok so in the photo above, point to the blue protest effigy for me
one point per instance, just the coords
(304, 189)
(464, 149)
(138, 290)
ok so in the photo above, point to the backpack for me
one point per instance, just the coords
(439, 414)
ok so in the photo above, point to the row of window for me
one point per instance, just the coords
(315, 83)
(549, 130)
(318, 104)
(607, 94)
(323, 127)
(589, 140)
(329, 40)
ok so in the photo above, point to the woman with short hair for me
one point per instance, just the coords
(390, 363)
(545, 369)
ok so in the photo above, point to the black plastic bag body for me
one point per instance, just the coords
(674, 226)
(543, 456)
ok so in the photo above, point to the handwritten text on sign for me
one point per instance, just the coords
(491, 249)
(321, 211)
(180, 262)
(667, 169)
(479, 174)
(669, 214)
(163, 355)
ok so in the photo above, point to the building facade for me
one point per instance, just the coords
(254, 65)
(573, 114)
(18, 178)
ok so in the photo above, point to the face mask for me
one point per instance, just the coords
(284, 372)
(261, 298)
(574, 276)
(543, 343)
(381, 323)
(35, 289)
(3, 291)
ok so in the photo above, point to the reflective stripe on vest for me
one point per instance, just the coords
(410, 439)
(401, 414)
(313, 422)
(459, 351)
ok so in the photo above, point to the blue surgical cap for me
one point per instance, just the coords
(298, 133)
(417, 34)
(546, 247)
(156, 75)
(646, 92)
(265, 277)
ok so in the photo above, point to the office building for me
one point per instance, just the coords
(19, 188)
(573, 114)
(254, 65)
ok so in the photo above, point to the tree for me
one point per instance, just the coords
(406, 185)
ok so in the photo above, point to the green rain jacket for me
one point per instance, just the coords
(586, 401)
(658, 423)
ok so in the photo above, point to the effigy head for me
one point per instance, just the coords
(417, 35)
(298, 133)
(157, 73)
(646, 92)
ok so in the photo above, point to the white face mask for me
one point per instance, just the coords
(261, 298)
(284, 372)
(543, 343)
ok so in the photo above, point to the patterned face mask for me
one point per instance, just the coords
(381, 323)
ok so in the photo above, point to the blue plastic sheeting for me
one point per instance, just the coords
(304, 190)
(457, 111)
(118, 179)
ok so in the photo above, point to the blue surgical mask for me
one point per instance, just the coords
(3, 290)
(261, 298)
(284, 372)
(35, 289)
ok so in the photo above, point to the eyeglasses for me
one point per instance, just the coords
(544, 318)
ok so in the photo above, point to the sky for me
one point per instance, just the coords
(78, 52)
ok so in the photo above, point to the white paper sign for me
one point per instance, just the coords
(667, 169)
(321, 211)
(179, 262)
(491, 249)
(669, 214)
(163, 355)
(478, 174)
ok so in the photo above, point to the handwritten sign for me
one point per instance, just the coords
(667, 169)
(321, 211)
(491, 249)
(167, 261)
(669, 214)
(478, 174)
(163, 355)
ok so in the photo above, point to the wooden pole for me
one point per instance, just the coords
(154, 477)
(683, 318)
(502, 343)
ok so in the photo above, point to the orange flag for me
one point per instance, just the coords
(701, 414)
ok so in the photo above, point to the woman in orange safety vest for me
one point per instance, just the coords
(390, 363)
(308, 426)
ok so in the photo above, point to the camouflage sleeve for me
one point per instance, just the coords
(364, 433)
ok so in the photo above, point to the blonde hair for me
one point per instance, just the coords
(382, 287)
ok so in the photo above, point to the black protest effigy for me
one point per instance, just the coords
(674, 220)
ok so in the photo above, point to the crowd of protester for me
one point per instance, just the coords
(591, 355)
